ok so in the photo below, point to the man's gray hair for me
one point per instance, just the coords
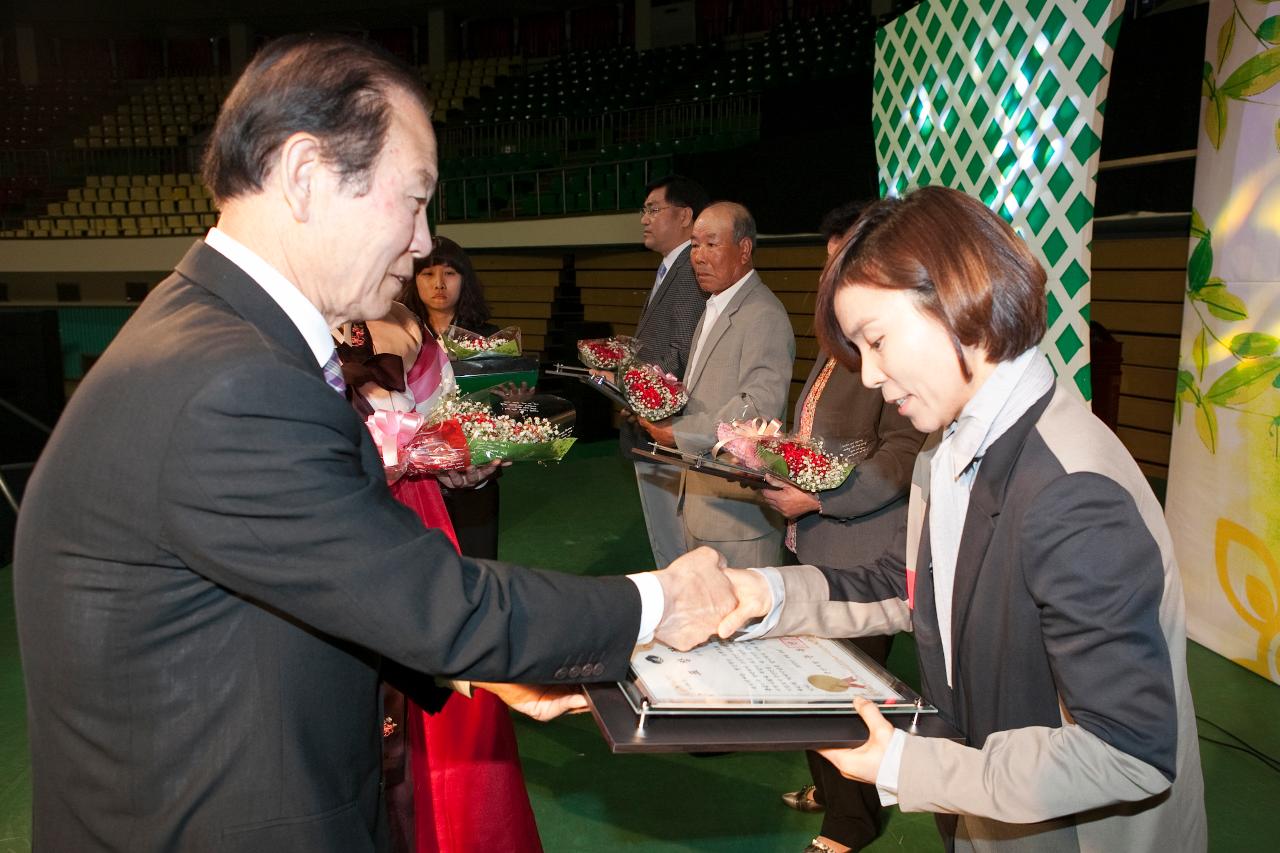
(744, 224)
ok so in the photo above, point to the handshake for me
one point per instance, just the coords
(702, 598)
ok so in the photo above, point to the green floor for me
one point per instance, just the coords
(583, 516)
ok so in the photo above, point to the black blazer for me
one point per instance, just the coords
(209, 566)
(665, 332)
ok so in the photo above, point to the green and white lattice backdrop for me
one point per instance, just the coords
(1003, 99)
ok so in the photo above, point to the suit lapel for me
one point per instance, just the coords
(986, 499)
(213, 271)
(722, 324)
(664, 289)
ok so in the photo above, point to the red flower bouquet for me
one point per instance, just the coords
(652, 394)
(804, 462)
(491, 436)
(607, 353)
(763, 446)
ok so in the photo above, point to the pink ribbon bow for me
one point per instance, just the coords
(392, 431)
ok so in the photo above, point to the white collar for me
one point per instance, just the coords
(669, 259)
(721, 299)
(1001, 400)
(305, 316)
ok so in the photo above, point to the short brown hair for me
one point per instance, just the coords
(332, 86)
(965, 265)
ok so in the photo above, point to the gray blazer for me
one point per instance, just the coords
(1068, 648)
(665, 332)
(859, 519)
(208, 569)
(747, 357)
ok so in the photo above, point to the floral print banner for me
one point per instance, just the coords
(1224, 470)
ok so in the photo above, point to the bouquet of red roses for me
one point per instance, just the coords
(802, 461)
(490, 436)
(607, 353)
(651, 393)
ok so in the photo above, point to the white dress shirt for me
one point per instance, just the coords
(716, 303)
(315, 331)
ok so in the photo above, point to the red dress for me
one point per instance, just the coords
(468, 788)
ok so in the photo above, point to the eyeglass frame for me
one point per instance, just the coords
(653, 210)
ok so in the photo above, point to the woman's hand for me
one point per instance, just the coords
(755, 600)
(863, 764)
(471, 476)
(788, 500)
(539, 701)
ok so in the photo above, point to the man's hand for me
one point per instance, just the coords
(470, 477)
(755, 600)
(696, 597)
(789, 501)
(661, 432)
(607, 375)
(509, 393)
(540, 701)
(863, 764)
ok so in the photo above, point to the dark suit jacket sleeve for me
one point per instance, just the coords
(275, 492)
(1097, 575)
(881, 478)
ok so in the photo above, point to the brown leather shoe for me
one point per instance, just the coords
(802, 800)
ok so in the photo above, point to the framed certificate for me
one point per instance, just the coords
(779, 675)
(702, 701)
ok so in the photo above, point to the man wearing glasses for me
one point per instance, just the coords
(665, 332)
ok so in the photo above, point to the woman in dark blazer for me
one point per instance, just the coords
(846, 526)
(1035, 570)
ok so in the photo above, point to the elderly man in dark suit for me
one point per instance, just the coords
(740, 364)
(665, 332)
(209, 565)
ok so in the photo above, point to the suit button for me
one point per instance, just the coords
(575, 671)
(598, 669)
(562, 673)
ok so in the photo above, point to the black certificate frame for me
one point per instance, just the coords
(706, 732)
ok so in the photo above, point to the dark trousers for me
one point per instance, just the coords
(474, 513)
(852, 815)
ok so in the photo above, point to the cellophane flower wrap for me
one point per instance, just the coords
(740, 438)
(491, 436)
(607, 353)
(651, 393)
(392, 433)
(462, 344)
(438, 446)
(804, 462)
